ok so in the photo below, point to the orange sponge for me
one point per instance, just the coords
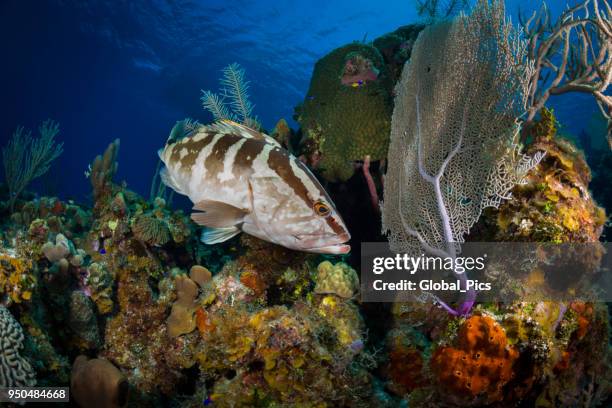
(481, 363)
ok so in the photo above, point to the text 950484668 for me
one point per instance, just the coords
(34, 394)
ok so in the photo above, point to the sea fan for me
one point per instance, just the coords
(235, 88)
(27, 158)
(451, 155)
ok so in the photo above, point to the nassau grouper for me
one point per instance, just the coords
(243, 180)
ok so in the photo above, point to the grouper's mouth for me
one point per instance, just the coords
(335, 245)
(337, 249)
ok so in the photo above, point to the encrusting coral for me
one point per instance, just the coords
(294, 355)
(554, 204)
(15, 371)
(17, 279)
(83, 320)
(98, 283)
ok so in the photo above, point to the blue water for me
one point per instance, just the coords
(130, 69)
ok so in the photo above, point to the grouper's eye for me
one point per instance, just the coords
(321, 209)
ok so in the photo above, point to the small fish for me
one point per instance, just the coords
(243, 180)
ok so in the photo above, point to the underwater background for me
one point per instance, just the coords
(109, 285)
(107, 69)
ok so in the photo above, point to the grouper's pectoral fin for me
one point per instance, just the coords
(212, 236)
(217, 214)
(220, 220)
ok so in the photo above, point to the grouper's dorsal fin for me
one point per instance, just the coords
(230, 127)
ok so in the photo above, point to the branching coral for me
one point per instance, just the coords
(573, 54)
(25, 158)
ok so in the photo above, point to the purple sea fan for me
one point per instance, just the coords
(450, 156)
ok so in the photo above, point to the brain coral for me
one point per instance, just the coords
(344, 121)
(15, 371)
(480, 365)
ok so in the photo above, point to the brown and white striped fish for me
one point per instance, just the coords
(243, 180)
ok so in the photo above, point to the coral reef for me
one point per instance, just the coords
(297, 355)
(98, 283)
(17, 280)
(120, 300)
(345, 120)
(555, 204)
(136, 338)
